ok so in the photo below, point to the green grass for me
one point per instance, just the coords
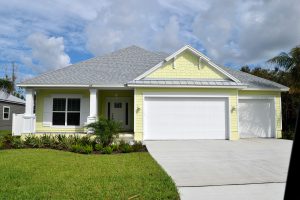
(52, 174)
(5, 132)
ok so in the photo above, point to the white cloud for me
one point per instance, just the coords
(243, 32)
(46, 52)
(229, 31)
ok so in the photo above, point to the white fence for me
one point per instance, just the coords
(21, 124)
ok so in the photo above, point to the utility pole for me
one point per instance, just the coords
(13, 76)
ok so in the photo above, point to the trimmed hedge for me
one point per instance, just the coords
(73, 143)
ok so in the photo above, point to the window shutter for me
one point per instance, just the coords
(84, 110)
(47, 114)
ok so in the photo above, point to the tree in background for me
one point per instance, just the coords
(286, 72)
(6, 85)
(290, 62)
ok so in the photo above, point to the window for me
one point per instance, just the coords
(6, 112)
(66, 112)
(118, 105)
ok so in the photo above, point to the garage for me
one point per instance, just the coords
(177, 118)
(256, 118)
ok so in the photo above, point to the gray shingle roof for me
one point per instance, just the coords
(253, 81)
(116, 68)
(124, 65)
(5, 97)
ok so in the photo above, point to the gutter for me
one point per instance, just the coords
(183, 86)
(69, 86)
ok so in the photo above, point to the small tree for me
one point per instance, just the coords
(105, 130)
(6, 85)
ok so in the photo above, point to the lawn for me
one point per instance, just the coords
(52, 174)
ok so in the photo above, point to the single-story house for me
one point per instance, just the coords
(156, 96)
(9, 105)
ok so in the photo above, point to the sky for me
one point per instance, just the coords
(40, 36)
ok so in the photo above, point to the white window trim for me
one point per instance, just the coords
(69, 96)
(4, 112)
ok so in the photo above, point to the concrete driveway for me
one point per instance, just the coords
(212, 168)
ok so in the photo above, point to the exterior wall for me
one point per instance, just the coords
(14, 108)
(187, 66)
(277, 96)
(138, 110)
(103, 94)
(41, 94)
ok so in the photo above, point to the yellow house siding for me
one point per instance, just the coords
(278, 114)
(41, 94)
(139, 92)
(187, 66)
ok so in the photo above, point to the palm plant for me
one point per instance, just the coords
(290, 62)
(105, 130)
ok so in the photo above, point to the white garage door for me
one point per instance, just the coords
(173, 118)
(256, 118)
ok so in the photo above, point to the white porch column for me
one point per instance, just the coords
(29, 116)
(93, 106)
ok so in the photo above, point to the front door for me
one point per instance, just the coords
(118, 109)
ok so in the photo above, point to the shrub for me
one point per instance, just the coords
(17, 143)
(46, 140)
(33, 141)
(114, 147)
(76, 148)
(64, 142)
(87, 149)
(107, 150)
(86, 140)
(105, 130)
(138, 146)
(2, 145)
(7, 141)
(125, 147)
(98, 147)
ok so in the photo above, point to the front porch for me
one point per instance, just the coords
(50, 110)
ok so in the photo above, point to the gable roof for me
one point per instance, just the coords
(195, 52)
(129, 66)
(5, 97)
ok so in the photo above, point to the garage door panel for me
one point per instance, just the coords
(185, 118)
(256, 118)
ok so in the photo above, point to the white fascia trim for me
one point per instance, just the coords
(266, 89)
(150, 71)
(197, 53)
(51, 86)
(72, 86)
(184, 86)
(183, 49)
(14, 102)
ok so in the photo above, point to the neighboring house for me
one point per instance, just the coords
(9, 105)
(156, 96)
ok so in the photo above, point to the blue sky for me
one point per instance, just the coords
(45, 35)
